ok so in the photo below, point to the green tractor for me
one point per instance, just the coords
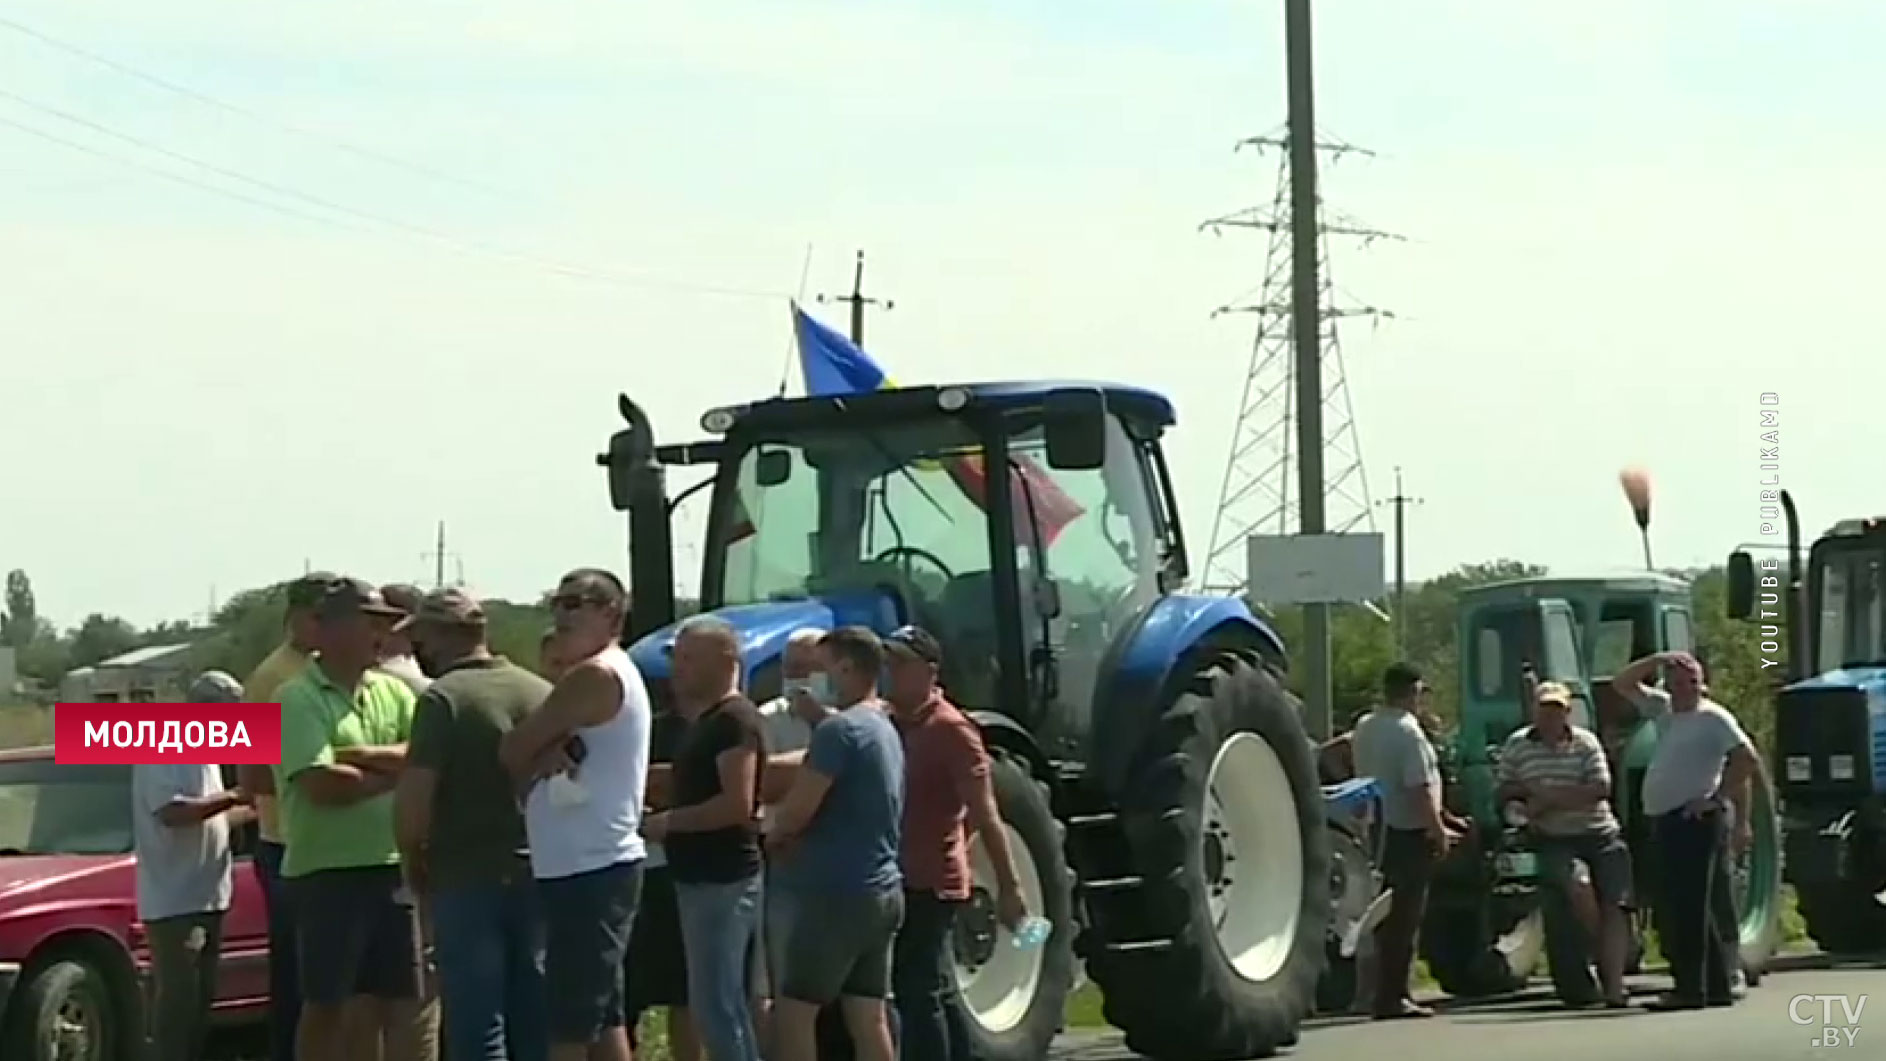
(1490, 922)
(1159, 787)
(1830, 720)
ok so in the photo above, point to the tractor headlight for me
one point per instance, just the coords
(952, 399)
(717, 421)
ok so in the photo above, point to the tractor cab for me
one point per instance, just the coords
(1823, 632)
(1577, 631)
(878, 510)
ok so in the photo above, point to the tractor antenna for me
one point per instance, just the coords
(792, 334)
(858, 303)
(1294, 377)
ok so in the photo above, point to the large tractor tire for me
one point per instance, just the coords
(1844, 918)
(1757, 878)
(1473, 952)
(1016, 998)
(1224, 823)
(1352, 889)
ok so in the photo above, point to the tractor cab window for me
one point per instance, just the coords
(1852, 596)
(1626, 630)
(856, 509)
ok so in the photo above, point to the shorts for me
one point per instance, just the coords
(656, 968)
(1606, 856)
(836, 946)
(356, 934)
(587, 921)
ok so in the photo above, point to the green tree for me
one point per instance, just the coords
(99, 638)
(20, 624)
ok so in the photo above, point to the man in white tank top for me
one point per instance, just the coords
(581, 762)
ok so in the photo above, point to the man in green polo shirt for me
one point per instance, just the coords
(344, 732)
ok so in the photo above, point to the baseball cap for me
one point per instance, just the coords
(914, 642)
(310, 589)
(401, 595)
(450, 606)
(348, 596)
(1554, 693)
(215, 687)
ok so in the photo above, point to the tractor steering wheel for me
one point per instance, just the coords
(912, 550)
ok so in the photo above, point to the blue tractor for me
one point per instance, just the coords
(1155, 776)
(1826, 635)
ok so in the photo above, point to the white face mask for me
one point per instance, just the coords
(819, 687)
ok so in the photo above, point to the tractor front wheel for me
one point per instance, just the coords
(1016, 997)
(1220, 954)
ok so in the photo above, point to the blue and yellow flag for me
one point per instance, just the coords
(834, 365)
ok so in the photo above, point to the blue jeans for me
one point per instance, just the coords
(490, 953)
(718, 924)
(284, 980)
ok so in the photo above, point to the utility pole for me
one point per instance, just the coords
(1306, 320)
(858, 302)
(438, 556)
(1401, 501)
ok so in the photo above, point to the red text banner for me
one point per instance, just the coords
(121, 734)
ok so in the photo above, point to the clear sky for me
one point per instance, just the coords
(1627, 221)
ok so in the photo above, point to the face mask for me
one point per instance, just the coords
(819, 687)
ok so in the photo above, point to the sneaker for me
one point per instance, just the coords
(1407, 1011)
(1738, 984)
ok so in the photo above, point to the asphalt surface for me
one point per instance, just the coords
(1534, 1027)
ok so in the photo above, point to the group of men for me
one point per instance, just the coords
(551, 855)
(1696, 794)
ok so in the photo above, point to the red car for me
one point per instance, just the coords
(73, 956)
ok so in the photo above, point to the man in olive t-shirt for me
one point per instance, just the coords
(462, 835)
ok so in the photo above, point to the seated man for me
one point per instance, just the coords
(1558, 770)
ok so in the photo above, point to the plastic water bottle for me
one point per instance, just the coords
(1032, 932)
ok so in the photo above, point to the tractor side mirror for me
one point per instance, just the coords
(1740, 575)
(773, 467)
(631, 458)
(1047, 598)
(1074, 425)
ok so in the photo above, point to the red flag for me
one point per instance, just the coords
(1052, 505)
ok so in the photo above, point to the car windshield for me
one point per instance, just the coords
(49, 809)
(1851, 591)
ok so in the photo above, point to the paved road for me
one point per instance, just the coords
(1534, 1028)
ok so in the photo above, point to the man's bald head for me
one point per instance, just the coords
(801, 658)
(705, 661)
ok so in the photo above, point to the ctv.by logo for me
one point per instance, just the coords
(1847, 1007)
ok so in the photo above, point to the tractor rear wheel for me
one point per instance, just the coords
(1016, 998)
(1219, 956)
(1843, 917)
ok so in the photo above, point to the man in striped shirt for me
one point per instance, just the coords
(1558, 771)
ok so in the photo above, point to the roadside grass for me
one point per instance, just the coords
(24, 725)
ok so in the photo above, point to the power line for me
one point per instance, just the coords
(453, 242)
(166, 174)
(244, 112)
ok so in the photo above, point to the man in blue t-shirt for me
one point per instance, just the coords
(834, 842)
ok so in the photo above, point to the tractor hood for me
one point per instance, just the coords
(1869, 680)
(765, 628)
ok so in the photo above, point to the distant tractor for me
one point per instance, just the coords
(1489, 923)
(1826, 641)
(1155, 777)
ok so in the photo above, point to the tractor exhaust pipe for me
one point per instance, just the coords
(1794, 600)
(638, 486)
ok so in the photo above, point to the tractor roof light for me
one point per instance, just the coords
(952, 399)
(718, 421)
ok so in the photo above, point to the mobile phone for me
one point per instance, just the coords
(575, 749)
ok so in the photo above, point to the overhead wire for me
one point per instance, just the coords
(257, 117)
(445, 239)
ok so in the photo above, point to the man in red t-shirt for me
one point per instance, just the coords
(946, 786)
